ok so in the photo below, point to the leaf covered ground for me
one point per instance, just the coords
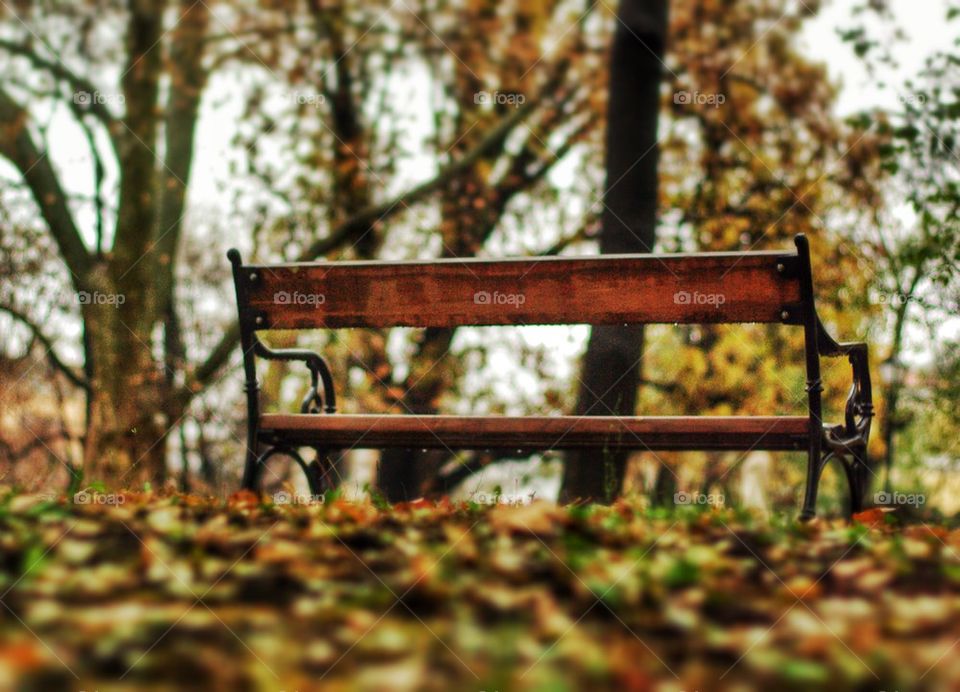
(140, 591)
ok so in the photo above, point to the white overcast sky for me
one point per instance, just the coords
(923, 22)
(926, 32)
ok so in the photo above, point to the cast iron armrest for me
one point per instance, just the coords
(318, 371)
(859, 408)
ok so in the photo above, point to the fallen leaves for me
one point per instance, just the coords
(873, 517)
(247, 593)
(537, 518)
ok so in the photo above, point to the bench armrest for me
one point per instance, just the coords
(859, 408)
(319, 371)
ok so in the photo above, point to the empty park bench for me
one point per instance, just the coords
(705, 288)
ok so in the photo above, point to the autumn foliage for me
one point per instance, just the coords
(173, 591)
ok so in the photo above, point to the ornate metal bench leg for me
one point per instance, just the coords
(852, 469)
(254, 469)
(250, 470)
(261, 462)
(815, 464)
(315, 477)
(858, 479)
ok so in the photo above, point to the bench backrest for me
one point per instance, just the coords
(700, 288)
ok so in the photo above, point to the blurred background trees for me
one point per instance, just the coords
(612, 364)
(142, 140)
(911, 249)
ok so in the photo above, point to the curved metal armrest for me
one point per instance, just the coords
(319, 371)
(859, 409)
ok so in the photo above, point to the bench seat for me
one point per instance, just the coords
(540, 432)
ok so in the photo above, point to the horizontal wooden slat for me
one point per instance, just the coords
(539, 432)
(702, 288)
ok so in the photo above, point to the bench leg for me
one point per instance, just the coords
(254, 471)
(314, 472)
(856, 478)
(250, 471)
(815, 463)
(852, 468)
(251, 464)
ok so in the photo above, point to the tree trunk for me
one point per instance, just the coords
(611, 367)
(892, 389)
(402, 473)
(131, 292)
(126, 433)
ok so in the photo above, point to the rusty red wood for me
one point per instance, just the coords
(704, 288)
(541, 432)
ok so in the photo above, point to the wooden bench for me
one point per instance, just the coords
(707, 288)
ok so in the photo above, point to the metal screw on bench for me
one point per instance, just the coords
(781, 267)
(254, 276)
(785, 314)
(258, 319)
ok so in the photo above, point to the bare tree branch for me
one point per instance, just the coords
(140, 82)
(362, 221)
(211, 366)
(80, 85)
(18, 146)
(10, 455)
(188, 79)
(73, 374)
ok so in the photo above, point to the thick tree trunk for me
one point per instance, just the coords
(129, 411)
(131, 292)
(611, 367)
(126, 430)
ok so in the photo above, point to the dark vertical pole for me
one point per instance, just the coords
(855, 479)
(814, 384)
(611, 367)
(251, 385)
